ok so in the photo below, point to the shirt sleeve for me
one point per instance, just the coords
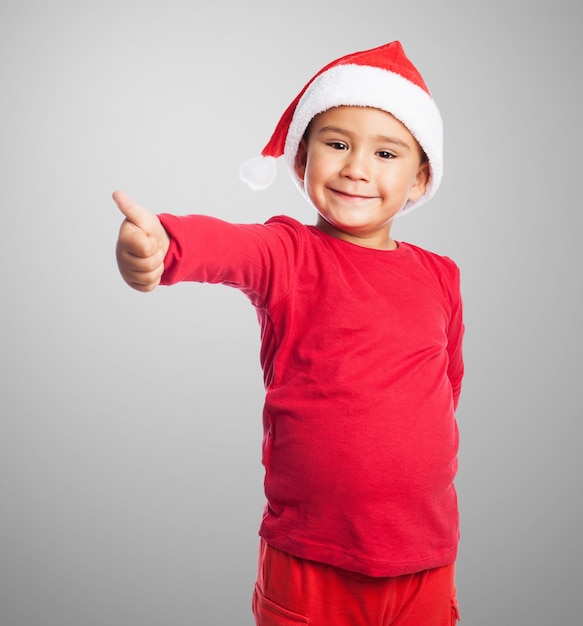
(455, 335)
(255, 258)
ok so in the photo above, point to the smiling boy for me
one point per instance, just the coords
(361, 350)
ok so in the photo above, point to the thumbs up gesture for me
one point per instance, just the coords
(141, 246)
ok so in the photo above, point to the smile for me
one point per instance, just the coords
(350, 197)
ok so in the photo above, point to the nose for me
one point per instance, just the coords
(356, 166)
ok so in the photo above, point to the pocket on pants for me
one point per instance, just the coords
(268, 613)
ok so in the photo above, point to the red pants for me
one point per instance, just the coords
(292, 591)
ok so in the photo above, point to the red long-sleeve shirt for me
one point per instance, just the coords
(362, 361)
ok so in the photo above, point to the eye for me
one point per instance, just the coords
(385, 154)
(337, 145)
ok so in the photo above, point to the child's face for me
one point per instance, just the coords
(359, 167)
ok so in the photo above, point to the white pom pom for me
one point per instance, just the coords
(258, 172)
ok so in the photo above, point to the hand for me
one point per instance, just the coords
(141, 246)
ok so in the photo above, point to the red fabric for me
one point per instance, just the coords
(292, 591)
(361, 352)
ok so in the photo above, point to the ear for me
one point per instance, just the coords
(301, 160)
(419, 185)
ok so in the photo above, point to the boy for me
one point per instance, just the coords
(360, 347)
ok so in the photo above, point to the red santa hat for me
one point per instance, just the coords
(383, 78)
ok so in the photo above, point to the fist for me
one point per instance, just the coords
(142, 245)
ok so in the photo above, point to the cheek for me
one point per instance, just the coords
(310, 178)
(316, 172)
(310, 191)
(314, 189)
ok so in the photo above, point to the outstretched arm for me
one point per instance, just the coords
(141, 246)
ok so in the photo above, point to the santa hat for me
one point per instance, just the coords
(383, 78)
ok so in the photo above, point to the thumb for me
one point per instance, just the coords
(134, 213)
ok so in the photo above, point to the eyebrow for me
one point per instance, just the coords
(382, 138)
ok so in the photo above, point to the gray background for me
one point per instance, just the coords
(130, 476)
